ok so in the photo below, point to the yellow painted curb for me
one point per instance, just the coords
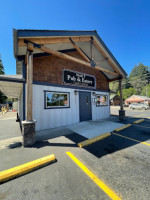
(138, 121)
(25, 168)
(122, 127)
(93, 140)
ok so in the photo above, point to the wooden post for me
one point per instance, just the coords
(28, 126)
(29, 85)
(121, 111)
(121, 96)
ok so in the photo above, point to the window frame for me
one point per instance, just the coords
(101, 95)
(55, 107)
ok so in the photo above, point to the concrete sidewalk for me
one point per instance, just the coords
(8, 115)
(10, 133)
(87, 129)
(9, 128)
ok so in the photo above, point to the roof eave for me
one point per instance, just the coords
(111, 55)
(63, 33)
(15, 43)
(12, 79)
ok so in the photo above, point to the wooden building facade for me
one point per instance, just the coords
(64, 76)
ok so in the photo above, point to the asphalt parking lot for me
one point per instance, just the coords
(131, 113)
(121, 162)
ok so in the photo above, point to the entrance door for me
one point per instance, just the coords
(85, 106)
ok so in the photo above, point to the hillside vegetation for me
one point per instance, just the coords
(2, 97)
(138, 82)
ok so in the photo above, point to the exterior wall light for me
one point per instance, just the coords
(75, 92)
(93, 93)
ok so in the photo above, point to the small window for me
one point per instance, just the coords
(102, 100)
(57, 100)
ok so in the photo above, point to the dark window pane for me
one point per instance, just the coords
(101, 100)
(57, 99)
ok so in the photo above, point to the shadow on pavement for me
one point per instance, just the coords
(115, 143)
(41, 144)
(15, 145)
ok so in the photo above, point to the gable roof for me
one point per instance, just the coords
(136, 97)
(20, 51)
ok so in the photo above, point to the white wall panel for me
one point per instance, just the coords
(100, 112)
(51, 118)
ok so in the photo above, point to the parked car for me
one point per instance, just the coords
(125, 105)
(139, 106)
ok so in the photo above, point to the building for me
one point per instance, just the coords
(137, 99)
(114, 100)
(62, 78)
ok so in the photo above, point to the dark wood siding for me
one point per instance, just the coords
(49, 69)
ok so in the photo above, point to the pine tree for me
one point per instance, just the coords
(2, 96)
(1, 67)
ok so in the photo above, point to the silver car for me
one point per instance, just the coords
(139, 106)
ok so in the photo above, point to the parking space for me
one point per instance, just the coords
(116, 167)
(61, 180)
(121, 162)
(131, 113)
(145, 123)
(139, 131)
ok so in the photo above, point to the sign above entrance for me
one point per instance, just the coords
(78, 79)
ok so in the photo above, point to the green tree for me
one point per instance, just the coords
(114, 86)
(146, 90)
(2, 96)
(127, 93)
(139, 71)
(126, 83)
(1, 67)
(135, 83)
(139, 77)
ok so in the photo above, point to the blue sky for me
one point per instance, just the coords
(124, 25)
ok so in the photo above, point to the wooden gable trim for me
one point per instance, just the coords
(80, 51)
(67, 57)
(106, 56)
(54, 40)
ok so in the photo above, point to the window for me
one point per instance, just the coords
(57, 100)
(102, 100)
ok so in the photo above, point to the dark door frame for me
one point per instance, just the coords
(79, 103)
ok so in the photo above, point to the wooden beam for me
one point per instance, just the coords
(105, 70)
(115, 79)
(121, 95)
(105, 54)
(30, 46)
(54, 40)
(79, 50)
(29, 86)
(91, 48)
(25, 59)
(70, 58)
